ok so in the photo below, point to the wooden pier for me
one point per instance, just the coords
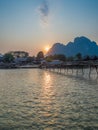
(73, 67)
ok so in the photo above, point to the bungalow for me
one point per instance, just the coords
(1, 58)
(55, 62)
(20, 60)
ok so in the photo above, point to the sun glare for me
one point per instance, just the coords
(47, 49)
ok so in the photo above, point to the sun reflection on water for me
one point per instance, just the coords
(50, 108)
(47, 80)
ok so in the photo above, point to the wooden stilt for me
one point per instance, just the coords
(89, 70)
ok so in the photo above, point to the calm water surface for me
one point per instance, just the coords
(33, 99)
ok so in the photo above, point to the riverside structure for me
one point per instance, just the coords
(72, 67)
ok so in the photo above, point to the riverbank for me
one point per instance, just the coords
(70, 64)
(15, 66)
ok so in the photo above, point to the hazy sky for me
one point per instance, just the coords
(30, 25)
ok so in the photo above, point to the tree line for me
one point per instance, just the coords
(8, 57)
(77, 57)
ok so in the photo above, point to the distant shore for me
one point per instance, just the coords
(11, 66)
(70, 64)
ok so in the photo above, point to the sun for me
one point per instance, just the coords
(47, 49)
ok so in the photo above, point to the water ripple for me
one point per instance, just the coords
(40, 100)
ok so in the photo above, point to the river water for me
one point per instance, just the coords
(34, 99)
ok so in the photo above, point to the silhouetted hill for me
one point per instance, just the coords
(81, 45)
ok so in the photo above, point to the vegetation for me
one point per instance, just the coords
(56, 57)
(79, 56)
(71, 58)
(95, 58)
(8, 58)
(40, 55)
(19, 54)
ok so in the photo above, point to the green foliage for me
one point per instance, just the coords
(71, 58)
(79, 56)
(19, 54)
(56, 57)
(40, 55)
(8, 58)
(95, 58)
(48, 59)
(87, 58)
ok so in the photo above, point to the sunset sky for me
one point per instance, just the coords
(32, 25)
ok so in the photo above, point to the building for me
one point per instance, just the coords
(55, 62)
(19, 54)
(20, 60)
(1, 57)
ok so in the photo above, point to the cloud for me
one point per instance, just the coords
(44, 12)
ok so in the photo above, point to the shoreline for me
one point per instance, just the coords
(70, 65)
(18, 66)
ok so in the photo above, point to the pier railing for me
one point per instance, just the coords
(67, 66)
